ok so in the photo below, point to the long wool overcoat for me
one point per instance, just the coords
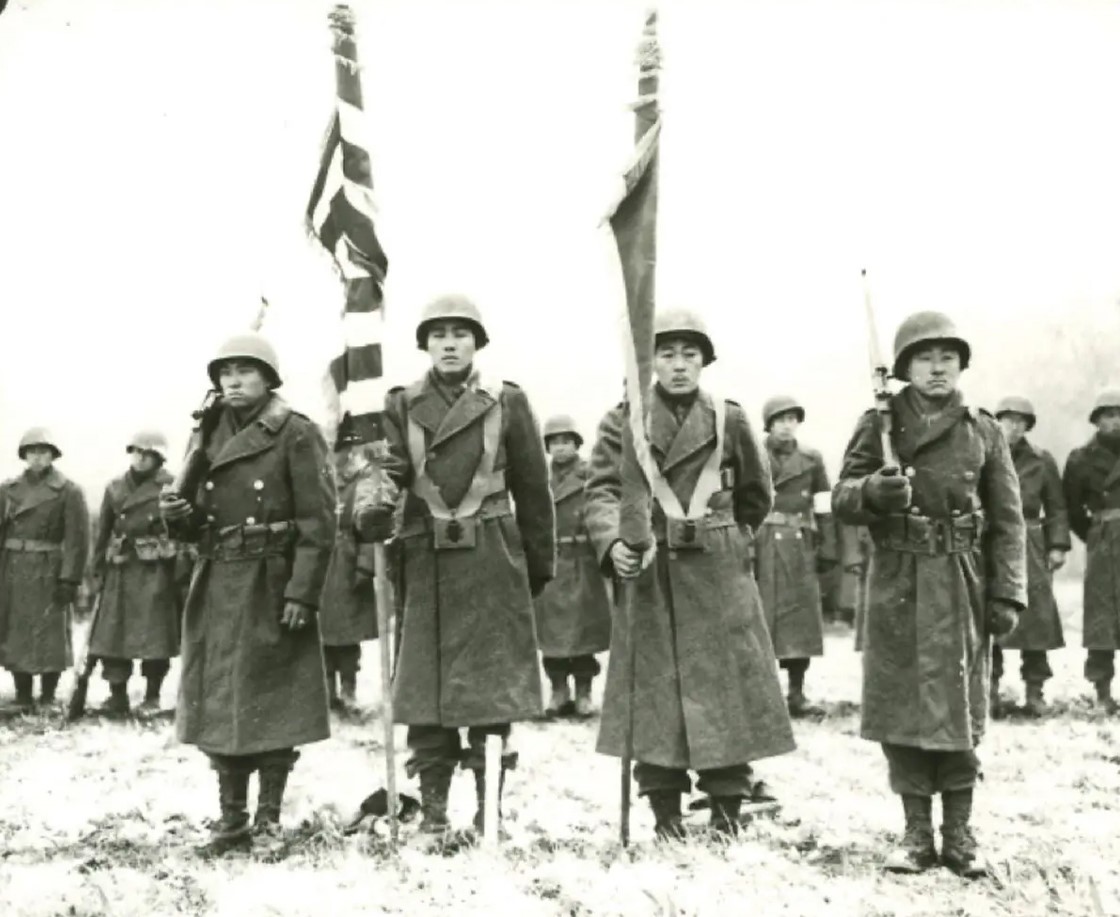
(468, 644)
(348, 613)
(706, 690)
(1092, 487)
(34, 631)
(574, 611)
(138, 615)
(787, 551)
(249, 684)
(926, 652)
(1044, 509)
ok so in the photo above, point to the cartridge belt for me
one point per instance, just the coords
(239, 542)
(32, 545)
(916, 534)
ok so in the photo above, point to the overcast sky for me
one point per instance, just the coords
(156, 156)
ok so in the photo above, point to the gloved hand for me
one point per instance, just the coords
(1056, 559)
(64, 593)
(295, 616)
(536, 585)
(887, 490)
(172, 507)
(1003, 617)
(375, 523)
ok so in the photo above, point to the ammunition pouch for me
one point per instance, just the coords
(242, 542)
(804, 521)
(146, 548)
(454, 534)
(914, 534)
(32, 545)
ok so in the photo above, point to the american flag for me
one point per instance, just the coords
(340, 215)
(633, 220)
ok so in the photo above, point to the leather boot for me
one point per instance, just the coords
(584, 709)
(916, 851)
(231, 831)
(725, 815)
(435, 786)
(560, 700)
(959, 851)
(150, 704)
(116, 707)
(799, 705)
(1036, 703)
(25, 698)
(480, 801)
(48, 684)
(272, 777)
(666, 806)
(1104, 696)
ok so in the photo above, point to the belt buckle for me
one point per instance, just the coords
(454, 534)
(683, 535)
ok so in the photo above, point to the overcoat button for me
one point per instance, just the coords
(258, 485)
(911, 471)
(209, 485)
(914, 511)
(969, 475)
(250, 520)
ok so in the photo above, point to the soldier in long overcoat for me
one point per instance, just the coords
(796, 541)
(948, 570)
(1044, 509)
(348, 613)
(44, 542)
(137, 573)
(475, 545)
(705, 693)
(253, 685)
(574, 611)
(1092, 487)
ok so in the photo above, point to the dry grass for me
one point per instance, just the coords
(101, 818)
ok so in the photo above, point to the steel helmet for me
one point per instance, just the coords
(1017, 404)
(560, 424)
(451, 306)
(149, 441)
(248, 346)
(925, 328)
(1109, 398)
(686, 324)
(781, 404)
(38, 436)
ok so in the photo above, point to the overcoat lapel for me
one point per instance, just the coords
(569, 485)
(28, 494)
(697, 432)
(252, 439)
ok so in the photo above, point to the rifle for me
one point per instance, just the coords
(880, 372)
(83, 667)
(196, 463)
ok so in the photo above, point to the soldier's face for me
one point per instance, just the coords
(935, 370)
(562, 447)
(451, 345)
(677, 365)
(784, 426)
(143, 462)
(38, 458)
(243, 384)
(1014, 426)
(1108, 421)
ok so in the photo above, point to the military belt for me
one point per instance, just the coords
(32, 545)
(692, 534)
(147, 548)
(1106, 515)
(914, 534)
(240, 542)
(460, 531)
(571, 539)
(796, 520)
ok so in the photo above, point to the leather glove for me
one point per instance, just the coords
(1056, 559)
(295, 616)
(375, 523)
(536, 585)
(64, 592)
(172, 507)
(887, 490)
(1003, 617)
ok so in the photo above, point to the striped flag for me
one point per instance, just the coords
(633, 220)
(340, 216)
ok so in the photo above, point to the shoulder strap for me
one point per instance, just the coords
(707, 484)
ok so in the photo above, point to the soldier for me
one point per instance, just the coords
(137, 570)
(705, 690)
(948, 570)
(1044, 509)
(574, 612)
(476, 545)
(253, 685)
(1093, 497)
(797, 541)
(44, 524)
(348, 614)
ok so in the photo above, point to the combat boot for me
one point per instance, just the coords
(725, 815)
(116, 707)
(435, 787)
(347, 695)
(560, 700)
(799, 705)
(272, 779)
(1036, 704)
(959, 850)
(25, 698)
(332, 691)
(231, 831)
(1104, 696)
(666, 806)
(584, 708)
(916, 851)
(480, 800)
(150, 704)
(48, 685)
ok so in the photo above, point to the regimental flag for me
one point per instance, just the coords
(633, 219)
(340, 214)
